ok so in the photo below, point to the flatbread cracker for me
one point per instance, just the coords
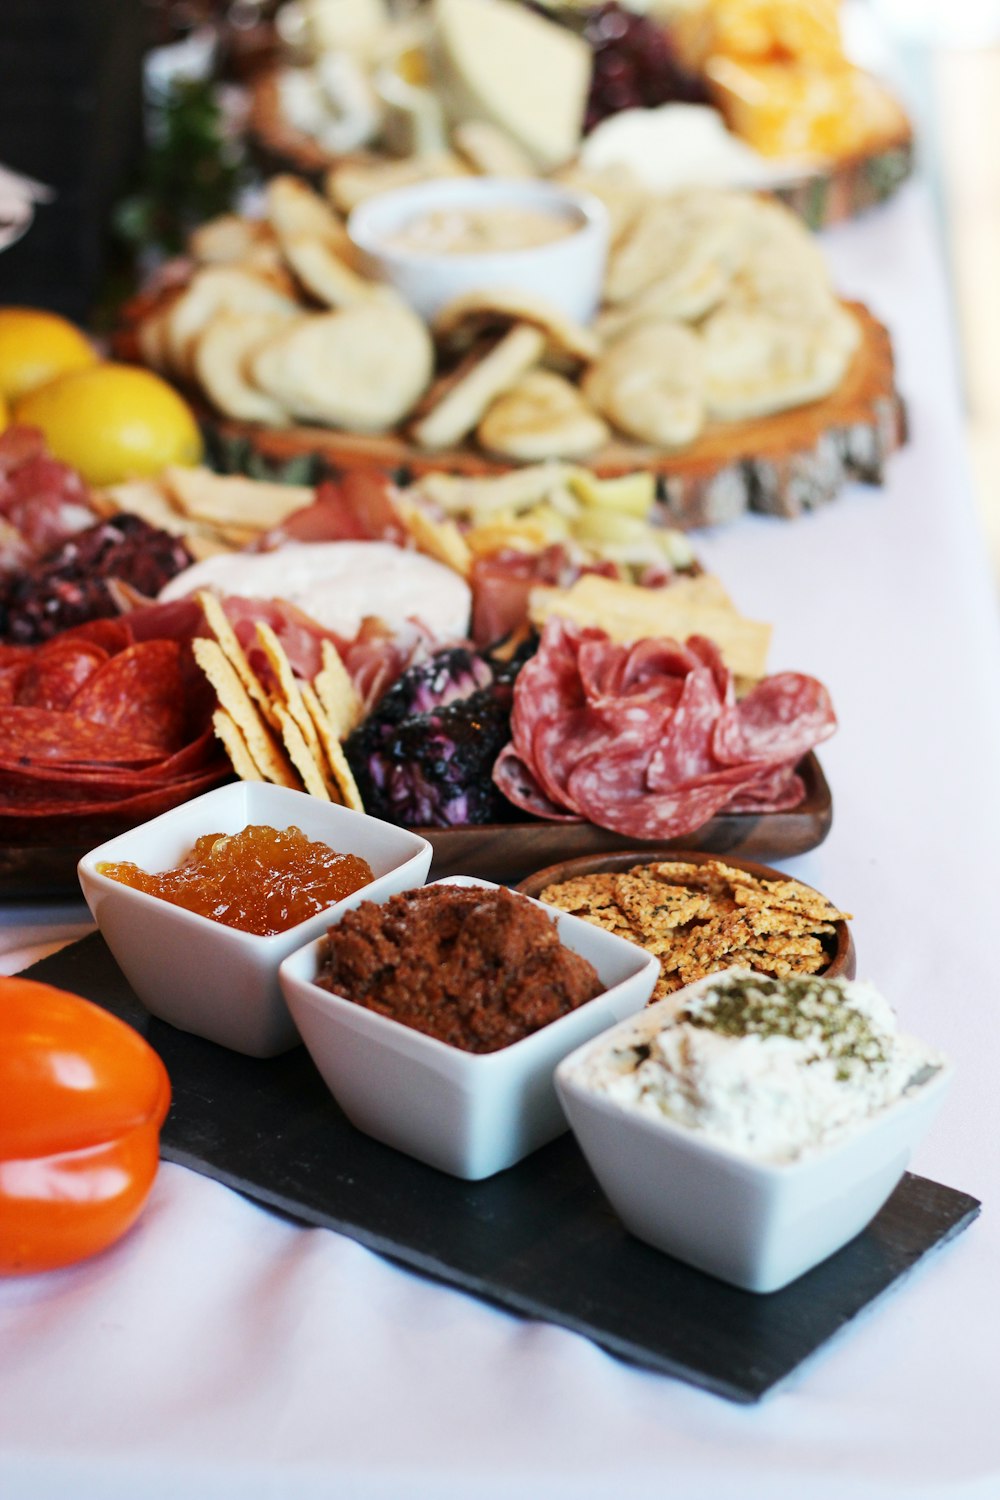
(232, 500)
(288, 686)
(237, 703)
(218, 623)
(301, 755)
(343, 776)
(441, 540)
(338, 697)
(464, 404)
(228, 732)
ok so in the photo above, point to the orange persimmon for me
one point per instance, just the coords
(82, 1099)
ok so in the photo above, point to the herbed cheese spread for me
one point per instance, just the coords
(766, 1067)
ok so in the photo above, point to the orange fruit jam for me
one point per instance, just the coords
(262, 880)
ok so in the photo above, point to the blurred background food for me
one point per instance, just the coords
(146, 119)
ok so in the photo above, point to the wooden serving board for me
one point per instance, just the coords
(782, 465)
(45, 865)
(507, 852)
(538, 1239)
(831, 194)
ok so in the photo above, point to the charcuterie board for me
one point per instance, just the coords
(538, 1239)
(495, 851)
(780, 465)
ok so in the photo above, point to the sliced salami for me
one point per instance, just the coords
(520, 787)
(648, 739)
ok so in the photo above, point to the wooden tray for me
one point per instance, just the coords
(509, 851)
(538, 1239)
(838, 191)
(781, 465)
(496, 851)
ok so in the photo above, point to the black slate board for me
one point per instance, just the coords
(539, 1239)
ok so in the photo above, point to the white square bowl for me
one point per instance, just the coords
(757, 1225)
(467, 1113)
(203, 976)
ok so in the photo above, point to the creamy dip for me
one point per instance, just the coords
(766, 1067)
(481, 231)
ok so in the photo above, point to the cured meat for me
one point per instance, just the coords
(42, 501)
(65, 739)
(140, 691)
(502, 583)
(648, 739)
(99, 729)
(374, 659)
(55, 675)
(357, 507)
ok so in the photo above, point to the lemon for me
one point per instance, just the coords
(4, 414)
(37, 346)
(113, 422)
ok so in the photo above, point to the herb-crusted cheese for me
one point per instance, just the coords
(768, 1067)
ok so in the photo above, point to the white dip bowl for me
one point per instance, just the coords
(754, 1223)
(470, 1114)
(567, 272)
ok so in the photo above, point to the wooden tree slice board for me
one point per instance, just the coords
(782, 465)
(837, 191)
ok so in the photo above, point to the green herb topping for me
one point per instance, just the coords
(803, 1008)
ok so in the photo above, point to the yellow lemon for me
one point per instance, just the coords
(4, 414)
(37, 346)
(113, 422)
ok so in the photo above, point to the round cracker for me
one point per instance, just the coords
(650, 384)
(542, 416)
(362, 368)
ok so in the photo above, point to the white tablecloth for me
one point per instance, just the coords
(220, 1351)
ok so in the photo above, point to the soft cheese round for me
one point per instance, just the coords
(339, 583)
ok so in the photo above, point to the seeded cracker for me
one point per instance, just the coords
(288, 687)
(301, 756)
(697, 919)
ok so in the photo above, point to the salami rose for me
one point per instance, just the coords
(648, 739)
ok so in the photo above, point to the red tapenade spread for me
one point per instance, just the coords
(478, 969)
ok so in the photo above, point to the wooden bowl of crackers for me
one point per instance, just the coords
(698, 913)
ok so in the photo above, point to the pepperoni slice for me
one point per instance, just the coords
(41, 736)
(139, 692)
(57, 672)
(113, 635)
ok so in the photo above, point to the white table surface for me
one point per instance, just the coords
(220, 1351)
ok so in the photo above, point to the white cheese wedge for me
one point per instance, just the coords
(494, 60)
(339, 583)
